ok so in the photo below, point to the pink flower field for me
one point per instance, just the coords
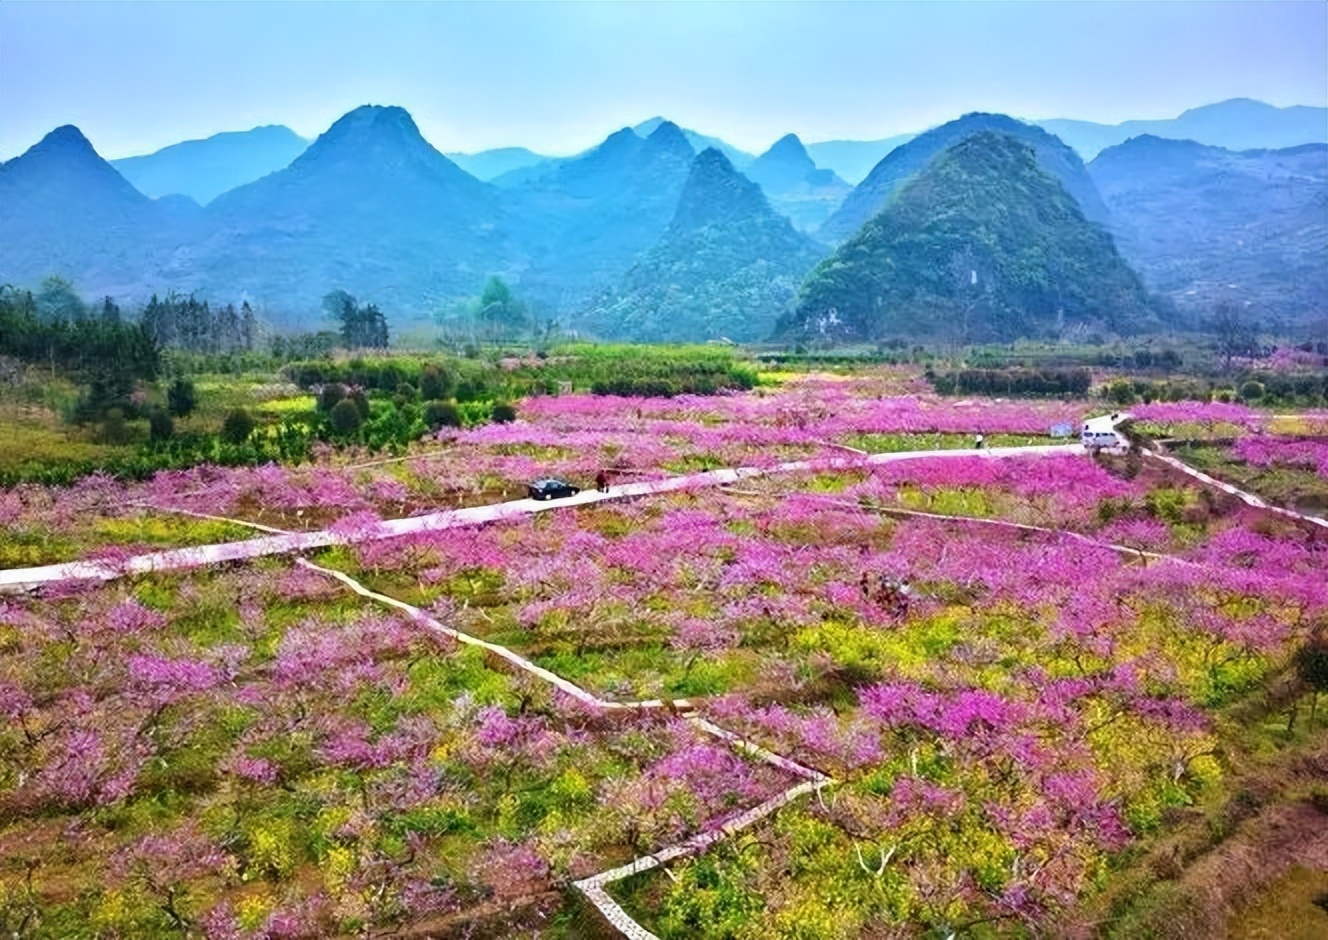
(885, 699)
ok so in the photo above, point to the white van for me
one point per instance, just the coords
(1097, 439)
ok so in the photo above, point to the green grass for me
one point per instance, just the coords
(1291, 908)
(896, 443)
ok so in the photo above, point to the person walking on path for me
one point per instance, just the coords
(602, 482)
(980, 441)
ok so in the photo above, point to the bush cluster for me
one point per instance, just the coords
(1022, 383)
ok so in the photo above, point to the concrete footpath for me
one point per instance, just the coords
(24, 579)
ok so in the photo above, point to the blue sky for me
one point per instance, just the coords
(559, 77)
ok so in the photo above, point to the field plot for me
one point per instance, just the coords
(1016, 674)
(572, 436)
(1011, 694)
(256, 752)
(1283, 459)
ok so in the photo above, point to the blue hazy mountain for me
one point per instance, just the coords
(795, 186)
(204, 169)
(982, 244)
(582, 223)
(371, 207)
(488, 165)
(699, 142)
(886, 178)
(67, 211)
(1205, 224)
(726, 266)
(1238, 124)
(852, 160)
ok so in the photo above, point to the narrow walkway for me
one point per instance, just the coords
(1248, 498)
(594, 887)
(23, 579)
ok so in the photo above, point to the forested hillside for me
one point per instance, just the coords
(981, 245)
(726, 267)
(885, 179)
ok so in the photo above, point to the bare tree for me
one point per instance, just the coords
(1235, 334)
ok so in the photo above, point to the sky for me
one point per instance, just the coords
(559, 77)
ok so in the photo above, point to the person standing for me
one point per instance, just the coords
(980, 442)
(602, 482)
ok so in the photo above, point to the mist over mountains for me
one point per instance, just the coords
(614, 240)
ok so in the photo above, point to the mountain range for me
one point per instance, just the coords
(1237, 124)
(983, 243)
(204, 169)
(1203, 224)
(795, 186)
(373, 208)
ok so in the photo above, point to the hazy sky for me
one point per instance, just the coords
(559, 77)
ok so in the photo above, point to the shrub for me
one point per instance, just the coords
(237, 426)
(114, 429)
(406, 393)
(345, 418)
(330, 396)
(441, 414)
(1121, 392)
(181, 398)
(435, 383)
(1251, 391)
(360, 401)
(503, 412)
(160, 426)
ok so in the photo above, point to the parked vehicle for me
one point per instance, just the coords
(1095, 439)
(551, 489)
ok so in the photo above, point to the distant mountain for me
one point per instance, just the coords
(983, 244)
(370, 207)
(794, 185)
(699, 142)
(582, 223)
(1203, 224)
(852, 160)
(890, 174)
(67, 211)
(1238, 124)
(726, 267)
(489, 164)
(204, 169)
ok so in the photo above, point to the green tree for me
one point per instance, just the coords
(237, 426)
(1312, 668)
(345, 418)
(361, 327)
(499, 310)
(57, 300)
(160, 426)
(436, 383)
(181, 398)
(331, 395)
(442, 414)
